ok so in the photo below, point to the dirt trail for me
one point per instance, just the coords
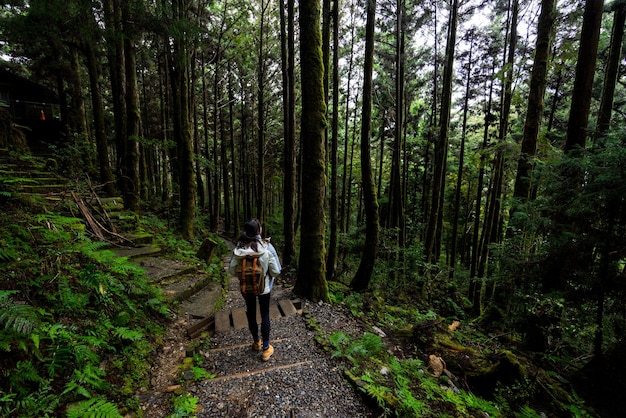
(300, 380)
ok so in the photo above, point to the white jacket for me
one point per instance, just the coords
(268, 262)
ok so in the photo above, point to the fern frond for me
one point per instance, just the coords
(91, 375)
(27, 372)
(85, 355)
(21, 318)
(61, 357)
(8, 254)
(70, 298)
(128, 334)
(93, 408)
(379, 393)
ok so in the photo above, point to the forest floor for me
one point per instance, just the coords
(300, 379)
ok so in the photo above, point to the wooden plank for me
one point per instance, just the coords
(222, 321)
(274, 312)
(287, 307)
(239, 318)
(259, 371)
(197, 328)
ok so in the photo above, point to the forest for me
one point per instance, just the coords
(452, 159)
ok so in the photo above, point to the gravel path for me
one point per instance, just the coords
(300, 380)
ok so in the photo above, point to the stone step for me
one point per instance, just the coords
(187, 286)
(34, 188)
(138, 252)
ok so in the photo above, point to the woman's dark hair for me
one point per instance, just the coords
(251, 234)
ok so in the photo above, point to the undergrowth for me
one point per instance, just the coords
(77, 323)
(404, 387)
(394, 371)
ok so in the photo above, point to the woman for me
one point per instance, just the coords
(251, 244)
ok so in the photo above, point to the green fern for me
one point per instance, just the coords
(21, 318)
(128, 334)
(71, 299)
(185, 405)
(373, 344)
(338, 340)
(93, 408)
(380, 394)
(409, 404)
(8, 254)
(90, 375)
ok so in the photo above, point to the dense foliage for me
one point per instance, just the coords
(77, 322)
(499, 185)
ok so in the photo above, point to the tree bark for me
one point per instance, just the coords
(131, 154)
(288, 60)
(433, 234)
(459, 177)
(102, 145)
(534, 112)
(396, 200)
(583, 81)
(362, 278)
(334, 153)
(311, 282)
(612, 68)
(182, 131)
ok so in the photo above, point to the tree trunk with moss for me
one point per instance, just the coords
(289, 165)
(131, 161)
(538, 82)
(363, 275)
(182, 129)
(612, 67)
(434, 228)
(585, 71)
(311, 282)
(334, 151)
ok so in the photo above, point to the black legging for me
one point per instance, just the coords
(264, 307)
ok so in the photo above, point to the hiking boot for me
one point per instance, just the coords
(267, 353)
(257, 345)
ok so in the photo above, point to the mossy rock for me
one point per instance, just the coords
(484, 372)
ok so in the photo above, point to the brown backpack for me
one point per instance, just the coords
(251, 277)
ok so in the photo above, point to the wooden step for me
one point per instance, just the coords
(235, 318)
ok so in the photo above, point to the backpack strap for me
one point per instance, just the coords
(255, 282)
(243, 275)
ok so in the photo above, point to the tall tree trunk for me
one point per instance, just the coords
(344, 212)
(231, 141)
(262, 68)
(334, 154)
(433, 234)
(534, 112)
(612, 68)
(102, 145)
(131, 160)
(583, 81)
(214, 171)
(492, 220)
(475, 283)
(459, 177)
(396, 199)
(115, 51)
(182, 130)
(288, 61)
(311, 282)
(362, 278)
